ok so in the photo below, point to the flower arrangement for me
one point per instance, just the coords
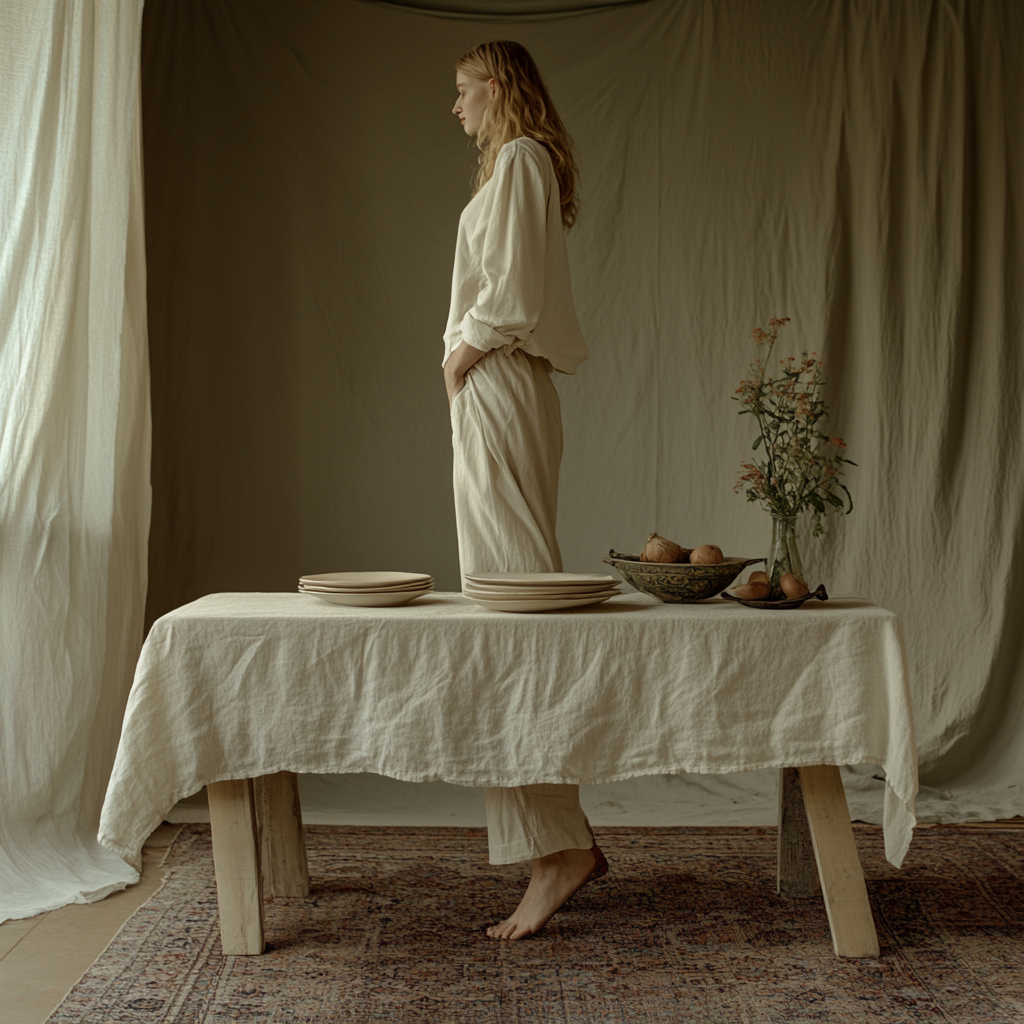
(801, 465)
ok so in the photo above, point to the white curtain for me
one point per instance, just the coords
(74, 436)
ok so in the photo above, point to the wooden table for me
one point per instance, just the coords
(258, 845)
(251, 688)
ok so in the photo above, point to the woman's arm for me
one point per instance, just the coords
(511, 271)
(456, 366)
(509, 303)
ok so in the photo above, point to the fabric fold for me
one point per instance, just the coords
(74, 440)
(510, 282)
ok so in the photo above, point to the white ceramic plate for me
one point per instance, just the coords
(524, 594)
(545, 579)
(547, 588)
(365, 590)
(370, 600)
(361, 580)
(537, 605)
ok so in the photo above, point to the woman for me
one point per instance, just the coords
(511, 322)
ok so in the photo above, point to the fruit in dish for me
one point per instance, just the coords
(661, 549)
(706, 554)
(791, 586)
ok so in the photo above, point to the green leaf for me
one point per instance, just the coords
(757, 443)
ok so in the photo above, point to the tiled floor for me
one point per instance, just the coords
(42, 957)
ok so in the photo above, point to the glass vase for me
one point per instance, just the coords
(784, 555)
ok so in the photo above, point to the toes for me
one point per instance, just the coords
(503, 930)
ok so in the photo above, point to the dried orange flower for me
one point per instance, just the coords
(801, 464)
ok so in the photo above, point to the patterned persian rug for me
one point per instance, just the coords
(685, 927)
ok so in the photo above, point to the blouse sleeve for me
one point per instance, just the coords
(508, 305)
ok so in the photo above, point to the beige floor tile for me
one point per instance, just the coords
(162, 837)
(12, 932)
(42, 957)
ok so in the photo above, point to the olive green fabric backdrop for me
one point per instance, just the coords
(853, 165)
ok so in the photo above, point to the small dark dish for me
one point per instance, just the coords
(678, 582)
(786, 602)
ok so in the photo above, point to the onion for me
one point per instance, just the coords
(706, 554)
(658, 549)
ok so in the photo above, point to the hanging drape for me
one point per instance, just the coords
(498, 10)
(853, 164)
(74, 436)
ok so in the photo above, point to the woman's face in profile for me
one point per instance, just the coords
(474, 96)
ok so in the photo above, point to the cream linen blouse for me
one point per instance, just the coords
(510, 286)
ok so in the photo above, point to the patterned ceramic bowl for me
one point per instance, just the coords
(677, 582)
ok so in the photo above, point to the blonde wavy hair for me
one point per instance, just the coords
(521, 107)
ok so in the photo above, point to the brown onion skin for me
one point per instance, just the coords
(706, 554)
(661, 549)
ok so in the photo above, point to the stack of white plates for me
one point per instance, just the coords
(538, 591)
(367, 589)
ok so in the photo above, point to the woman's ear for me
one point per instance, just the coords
(493, 83)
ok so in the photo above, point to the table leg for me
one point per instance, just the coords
(842, 879)
(282, 844)
(796, 875)
(236, 863)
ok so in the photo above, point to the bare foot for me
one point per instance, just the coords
(553, 880)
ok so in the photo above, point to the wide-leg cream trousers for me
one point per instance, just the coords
(507, 442)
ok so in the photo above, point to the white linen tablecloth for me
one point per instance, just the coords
(240, 685)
